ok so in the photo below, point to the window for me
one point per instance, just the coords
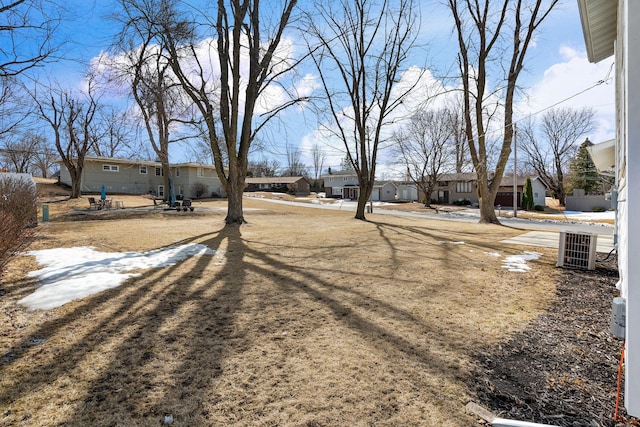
(200, 172)
(336, 191)
(177, 171)
(159, 172)
(110, 168)
(463, 187)
(160, 190)
(143, 170)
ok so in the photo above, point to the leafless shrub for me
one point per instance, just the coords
(18, 216)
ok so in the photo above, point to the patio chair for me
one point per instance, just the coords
(93, 204)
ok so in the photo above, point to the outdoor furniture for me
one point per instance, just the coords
(158, 203)
(186, 204)
(118, 204)
(105, 203)
(93, 204)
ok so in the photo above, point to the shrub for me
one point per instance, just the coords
(598, 209)
(539, 208)
(462, 202)
(199, 189)
(18, 216)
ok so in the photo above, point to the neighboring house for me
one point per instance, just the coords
(453, 187)
(341, 184)
(384, 191)
(344, 185)
(297, 185)
(125, 176)
(407, 192)
(504, 197)
(611, 27)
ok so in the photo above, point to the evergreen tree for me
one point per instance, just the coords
(583, 172)
(527, 199)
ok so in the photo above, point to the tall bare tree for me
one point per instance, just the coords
(295, 167)
(27, 30)
(318, 156)
(494, 37)
(245, 35)
(19, 151)
(427, 148)
(359, 48)
(70, 117)
(550, 151)
(45, 157)
(114, 132)
(146, 70)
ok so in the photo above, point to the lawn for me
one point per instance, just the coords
(301, 317)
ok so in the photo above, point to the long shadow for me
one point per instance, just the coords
(171, 343)
(132, 293)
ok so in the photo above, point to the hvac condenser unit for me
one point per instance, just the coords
(577, 250)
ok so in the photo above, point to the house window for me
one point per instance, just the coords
(535, 195)
(160, 190)
(110, 168)
(159, 172)
(345, 178)
(200, 172)
(463, 187)
(177, 171)
(336, 191)
(143, 170)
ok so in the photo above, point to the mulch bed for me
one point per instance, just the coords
(562, 369)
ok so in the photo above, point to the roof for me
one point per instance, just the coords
(464, 176)
(340, 173)
(274, 180)
(141, 162)
(599, 27)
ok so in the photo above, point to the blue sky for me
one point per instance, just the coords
(557, 67)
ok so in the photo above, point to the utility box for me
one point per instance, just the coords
(618, 317)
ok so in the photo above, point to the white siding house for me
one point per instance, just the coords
(611, 27)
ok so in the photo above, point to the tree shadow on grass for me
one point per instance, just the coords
(155, 350)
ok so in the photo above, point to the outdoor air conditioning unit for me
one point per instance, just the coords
(577, 250)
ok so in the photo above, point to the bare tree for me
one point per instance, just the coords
(114, 132)
(19, 151)
(494, 37)
(263, 167)
(147, 71)
(295, 167)
(27, 34)
(362, 46)
(44, 158)
(71, 120)
(550, 153)
(318, 156)
(427, 148)
(246, 35)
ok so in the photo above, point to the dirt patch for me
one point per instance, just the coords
(562, 368)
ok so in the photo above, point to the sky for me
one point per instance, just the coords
(557, 72)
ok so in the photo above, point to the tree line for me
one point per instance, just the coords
(216, 79)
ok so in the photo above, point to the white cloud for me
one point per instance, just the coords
(574, 83)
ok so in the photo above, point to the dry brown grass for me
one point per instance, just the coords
(303, 317)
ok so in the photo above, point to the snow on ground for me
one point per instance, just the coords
(585, 216)
(74, 273)
(518, 263)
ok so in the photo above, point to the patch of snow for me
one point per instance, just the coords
(518, 263)
(74, 273)
(495, 254)
(444, 242)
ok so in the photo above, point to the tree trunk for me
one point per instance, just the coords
(76, 184)
(363, 198)
(235, 190)
(487, 211)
